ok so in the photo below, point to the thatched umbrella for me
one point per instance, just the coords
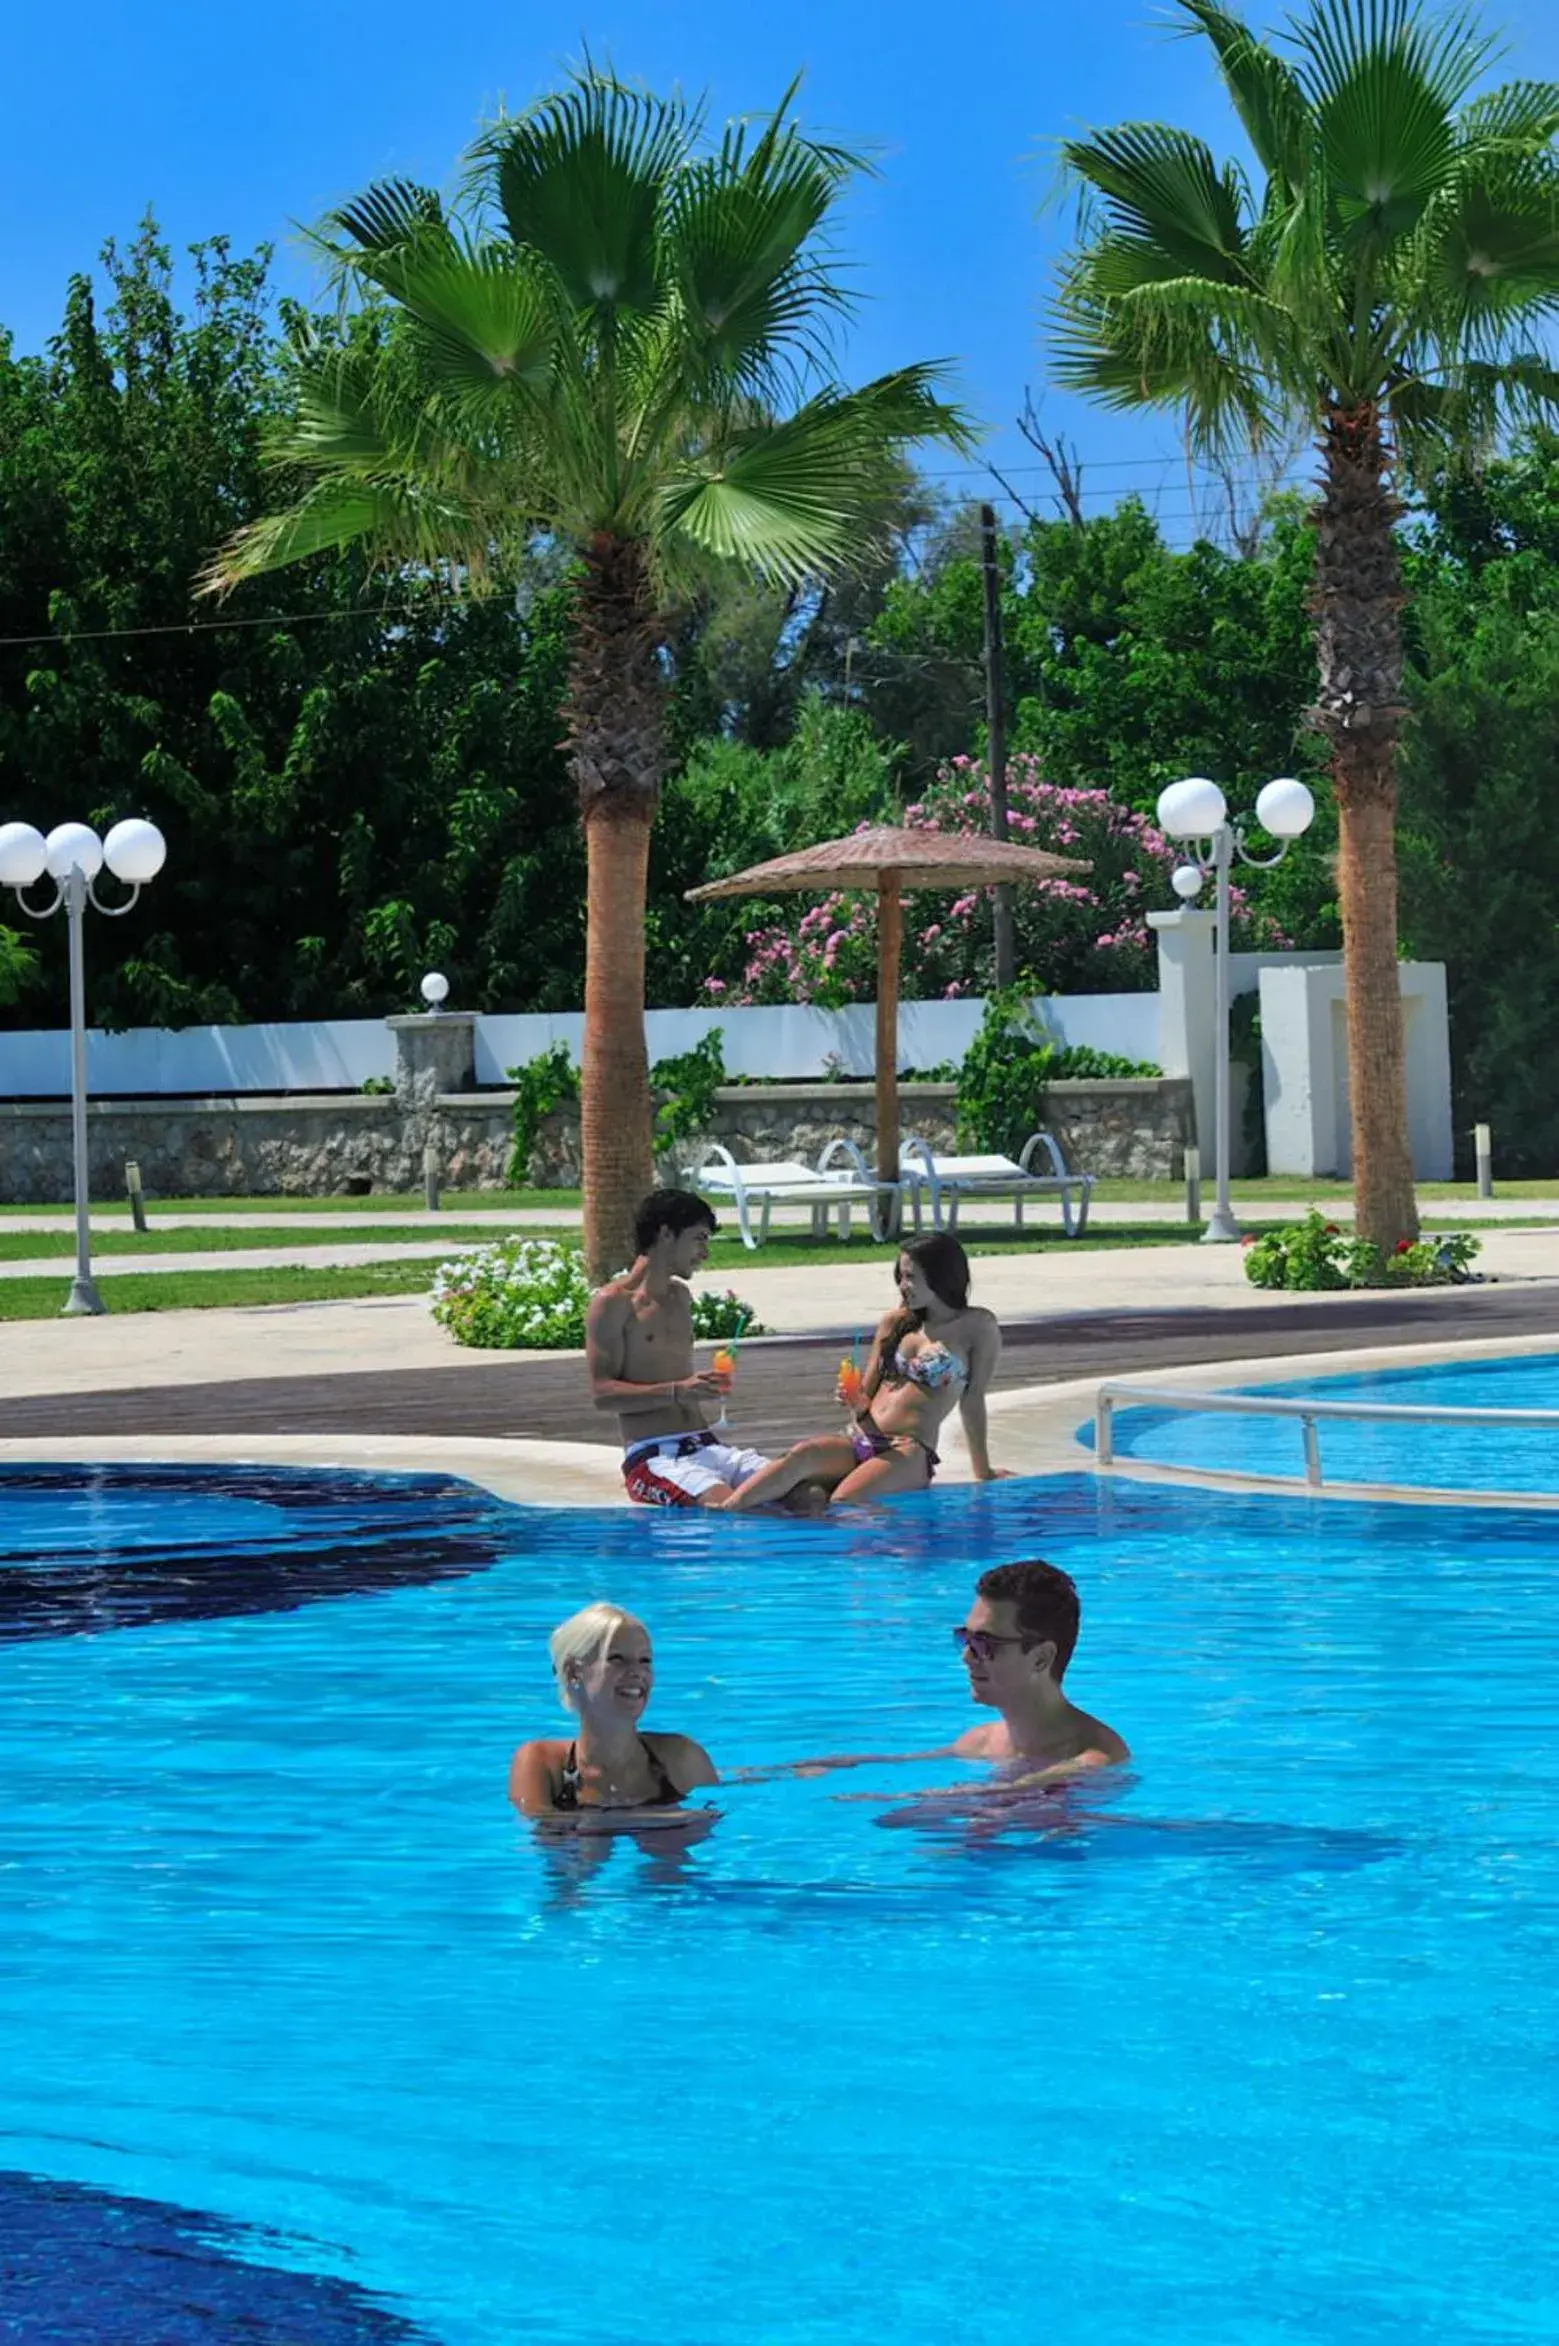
(890, 860)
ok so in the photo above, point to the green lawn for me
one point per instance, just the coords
(483, 1201)
(40, 1299)
(20, 1246)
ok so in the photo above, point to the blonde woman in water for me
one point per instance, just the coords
(608, 1774)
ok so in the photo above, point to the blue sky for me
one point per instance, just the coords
(227, 116)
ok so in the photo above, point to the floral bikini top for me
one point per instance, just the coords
(933, 1368)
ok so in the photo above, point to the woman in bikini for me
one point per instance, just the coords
(937, 1351)
(608, 1776)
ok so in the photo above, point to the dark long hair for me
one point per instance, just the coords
(946, 1270)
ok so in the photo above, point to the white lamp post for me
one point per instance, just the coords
(1195, 811)
(72, 856)
(435, 990)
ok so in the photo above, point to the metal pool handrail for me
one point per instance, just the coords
(1308, 1413)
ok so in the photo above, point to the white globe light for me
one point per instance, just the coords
(23, 855)
(135, 851)
(74, 847)
(1193, 809)
(1186, 881)
(1285, 808)
(435, 988)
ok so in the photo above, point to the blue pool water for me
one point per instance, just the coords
(1430, 1457)
(309, 2042)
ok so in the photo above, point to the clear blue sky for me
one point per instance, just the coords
(227, 116)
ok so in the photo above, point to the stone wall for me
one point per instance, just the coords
(322, 1145)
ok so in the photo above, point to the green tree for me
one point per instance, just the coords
(599, 353)
(353, 781)
(1480, 852)
(1377, 291)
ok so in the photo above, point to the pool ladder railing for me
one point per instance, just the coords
(1309, 1413)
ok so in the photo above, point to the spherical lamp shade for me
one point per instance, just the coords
(23, 855)
(435, 989)
(135, 851)
(1193, 809)
(1285, 808)
(74, 847)
(1186, 881)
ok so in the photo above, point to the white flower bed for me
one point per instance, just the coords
(531, 1295)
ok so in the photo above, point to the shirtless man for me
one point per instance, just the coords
(639, 1351)
(1016, 1642)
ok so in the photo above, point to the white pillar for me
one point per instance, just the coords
(1187, 1012)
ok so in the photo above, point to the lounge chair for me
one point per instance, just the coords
(839, 1180)
(945, 1181)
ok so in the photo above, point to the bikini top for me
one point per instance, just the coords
(933, 1368)
(665, 1794)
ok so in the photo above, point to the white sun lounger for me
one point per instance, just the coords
(946, 1180)
(838, 1181)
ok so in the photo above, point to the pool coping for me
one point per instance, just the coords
(1033, 1429)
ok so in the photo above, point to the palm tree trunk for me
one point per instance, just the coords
(615, 718)
(1359, 709)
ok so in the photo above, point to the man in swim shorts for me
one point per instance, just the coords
(639, 1351)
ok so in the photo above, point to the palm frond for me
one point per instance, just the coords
(1162, 187)
(789, 499)
(1520, 115)
(1265, 92)
(1384, 80)
(581, 178)
(486, 319)
(392, 212)
(1113, 351)
(400, 523)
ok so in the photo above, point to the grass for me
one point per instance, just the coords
(18, 1246)
(404, 1202)
(140, 1291)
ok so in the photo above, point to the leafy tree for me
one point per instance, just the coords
(353, 782)
(1480, 872)
(599, 354)
(1377, 291)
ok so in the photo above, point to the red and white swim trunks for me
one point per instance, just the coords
(679, 1470)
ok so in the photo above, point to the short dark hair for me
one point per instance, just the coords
(1045, 1599)
(675, 1210)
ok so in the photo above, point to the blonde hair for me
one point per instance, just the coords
(582, 1639)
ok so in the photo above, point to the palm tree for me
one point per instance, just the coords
(618, 343)
(1384, 291)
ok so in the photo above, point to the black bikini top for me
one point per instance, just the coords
(665, 1794)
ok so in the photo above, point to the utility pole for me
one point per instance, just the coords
(996, 739)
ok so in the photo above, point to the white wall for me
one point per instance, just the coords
(1304, 1049)
(329, 1055)
(339, 1054)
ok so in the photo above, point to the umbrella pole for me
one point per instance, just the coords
(890, 939)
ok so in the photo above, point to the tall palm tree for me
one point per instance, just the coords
(1384, 289)
(618, 342)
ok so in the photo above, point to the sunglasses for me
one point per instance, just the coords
(984, 1643)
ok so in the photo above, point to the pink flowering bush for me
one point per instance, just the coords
(1078, 932)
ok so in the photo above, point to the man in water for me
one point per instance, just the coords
(1016, 1641)
(639, 1351)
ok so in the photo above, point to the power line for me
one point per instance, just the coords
(78, 635)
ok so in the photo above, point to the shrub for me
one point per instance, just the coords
(1315, 1254)
(1007, 1067)
(684, 1088)
(378, 1087)
(531, 1295)
(1082, 930)
(541, 1085)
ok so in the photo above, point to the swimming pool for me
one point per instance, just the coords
(304, 2027)
(1433, 1456)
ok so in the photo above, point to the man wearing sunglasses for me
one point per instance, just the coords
(1016, 1642)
